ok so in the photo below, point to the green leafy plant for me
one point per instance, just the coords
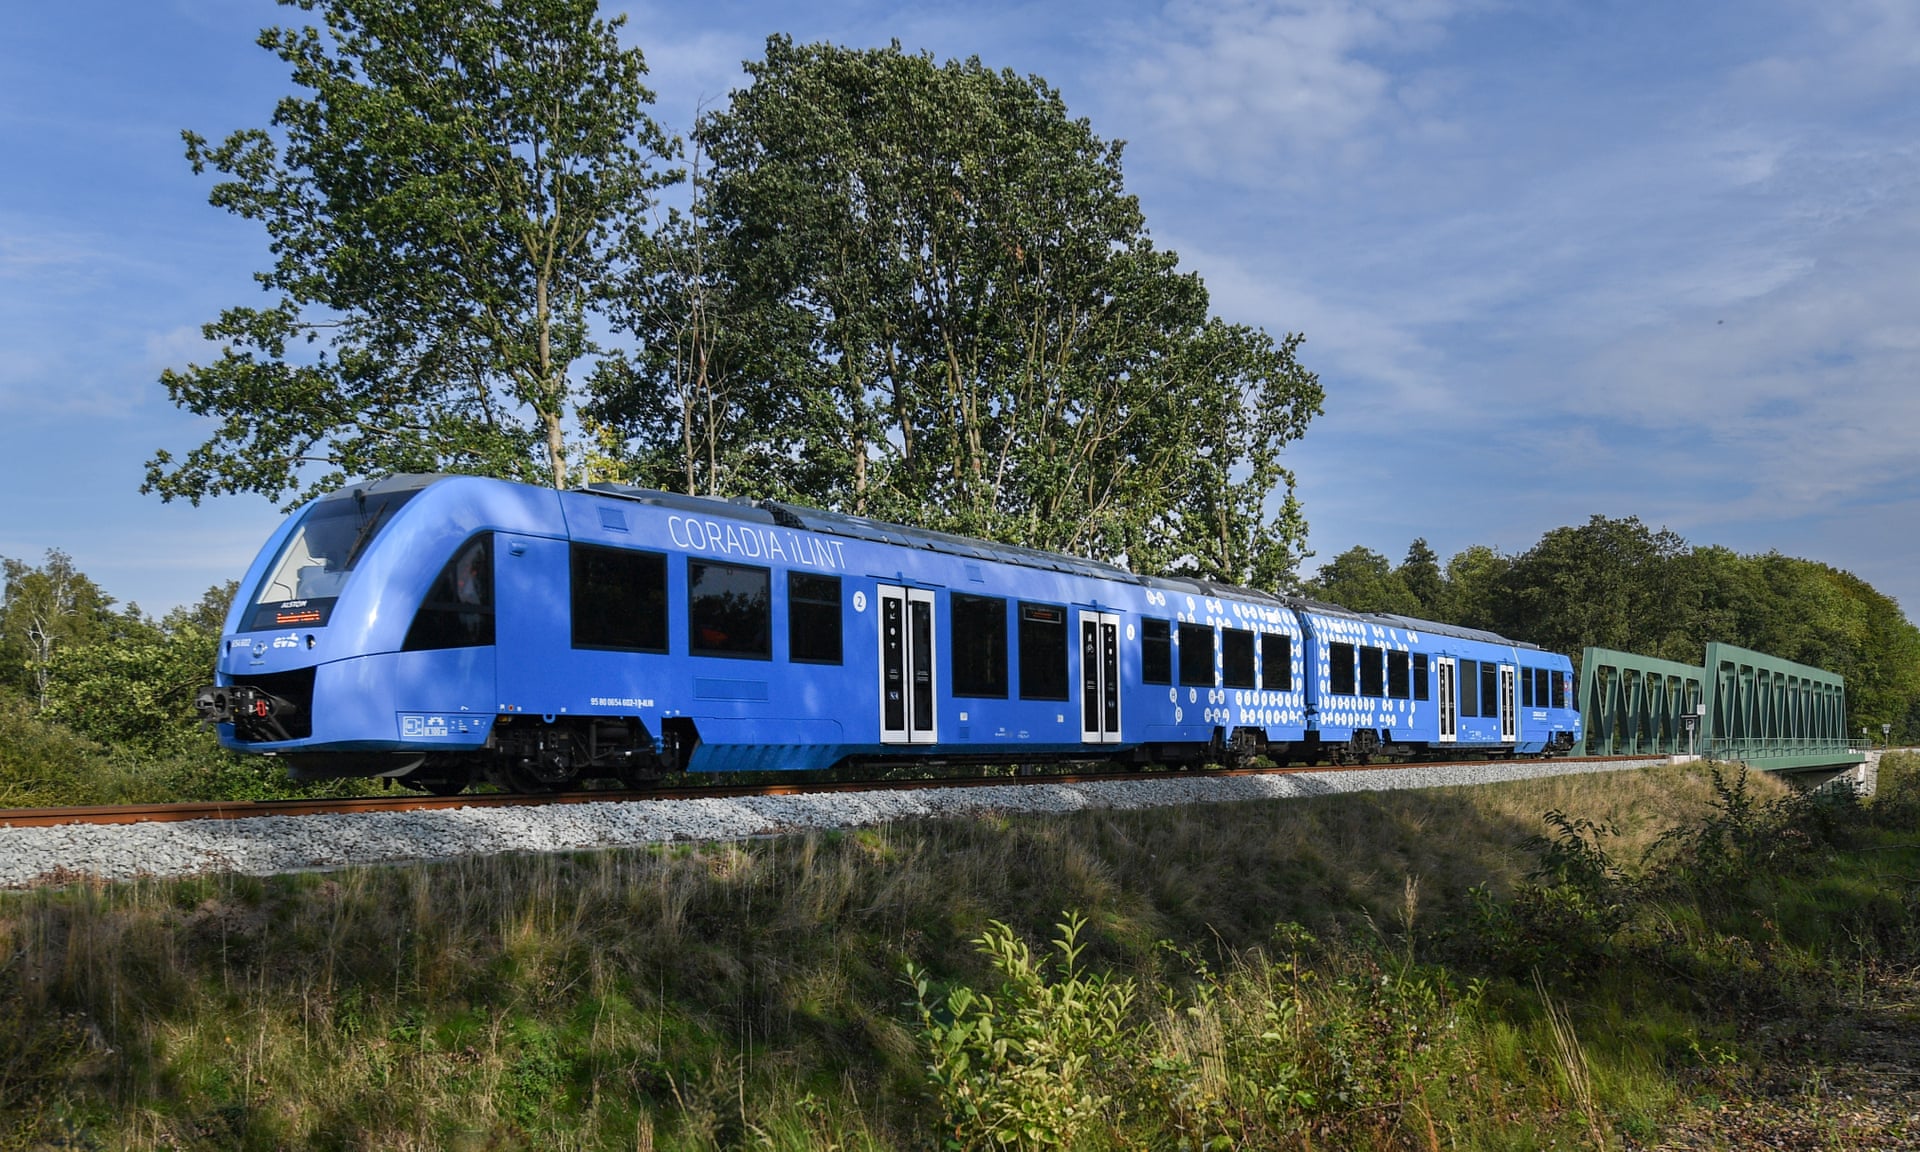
(1023, 1069)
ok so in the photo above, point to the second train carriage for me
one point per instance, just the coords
(439, 629)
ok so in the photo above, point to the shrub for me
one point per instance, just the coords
(1575, 900)
(1023, 1069)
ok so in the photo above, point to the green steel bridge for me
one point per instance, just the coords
(1771, 714)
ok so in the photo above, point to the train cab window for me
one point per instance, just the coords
(1559, 689)
(979, 646)
(1196, 655)
(1373, 672)
(813, 618)
(1276, 662)
(1156, 652)
(1043, 652)
(1421, 691)
(1489, 689)
(1236, 658)
(315, 562)
(619, 598)
(458, 609)
(1540, 677)
(728, 610)
(1469, 688)
(1340, 669)
(1397, 679)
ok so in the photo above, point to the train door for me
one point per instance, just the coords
(1449, 697)
(907, 663)
(1509, 713)
(1099, 678)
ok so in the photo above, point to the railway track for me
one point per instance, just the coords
(247, 809)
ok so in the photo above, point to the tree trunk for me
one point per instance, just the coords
(556, 448)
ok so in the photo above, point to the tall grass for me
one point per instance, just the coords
(756, 995)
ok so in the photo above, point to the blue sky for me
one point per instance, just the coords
(1551, 259)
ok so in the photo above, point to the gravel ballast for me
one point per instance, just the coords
(270, 844)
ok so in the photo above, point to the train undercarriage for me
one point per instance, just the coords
(533, 755)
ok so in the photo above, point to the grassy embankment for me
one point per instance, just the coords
(1350, 971)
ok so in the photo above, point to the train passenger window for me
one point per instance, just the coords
(458, 609)
(1540, 676)
(1340, 669)
(1559, 689)
(1156, 652)
(1236, 658)
(1373, 671)
(1043, 652)
(1489, 689)
(1196, 655)
(1397, 679)
(1276, 662)
(1526, 687)
(979, 646)
(813, 618)
(729, 607)
(1420, 677)
(1469, 688)
(619, 598)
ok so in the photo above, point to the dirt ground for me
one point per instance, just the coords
(1850, 1080)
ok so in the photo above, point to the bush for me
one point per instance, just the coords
(1567, 913)
(1896, 797)
(1024, 1069)
(42, 763)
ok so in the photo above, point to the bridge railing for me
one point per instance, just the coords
(1744, 705)
(1638, 705)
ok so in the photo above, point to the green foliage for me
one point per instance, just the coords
(920, 291)
(1365, 581)
(43, 763)
(1476, 591)
(1896, 797)
(47, 610)
(442, 198)
(1575, 900)
(1420, 574)
(115, 721)
(1607, 583)
(1743, 836)
(135, 690)
(1021, 1070)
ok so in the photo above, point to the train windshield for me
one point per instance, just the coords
(313, 566)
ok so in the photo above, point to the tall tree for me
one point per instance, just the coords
(1607, 583)
(1477, 594)
(1363, 580)
(442, 198)
(1420, 574)
(46, 610)
(941, 305)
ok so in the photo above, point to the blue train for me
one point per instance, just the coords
(440, 630)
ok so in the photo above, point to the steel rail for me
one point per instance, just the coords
(247, 809)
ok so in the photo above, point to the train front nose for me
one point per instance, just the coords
(255, 713)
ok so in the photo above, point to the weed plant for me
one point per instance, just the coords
(1400, 970)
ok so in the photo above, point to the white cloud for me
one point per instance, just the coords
(1233, 84)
